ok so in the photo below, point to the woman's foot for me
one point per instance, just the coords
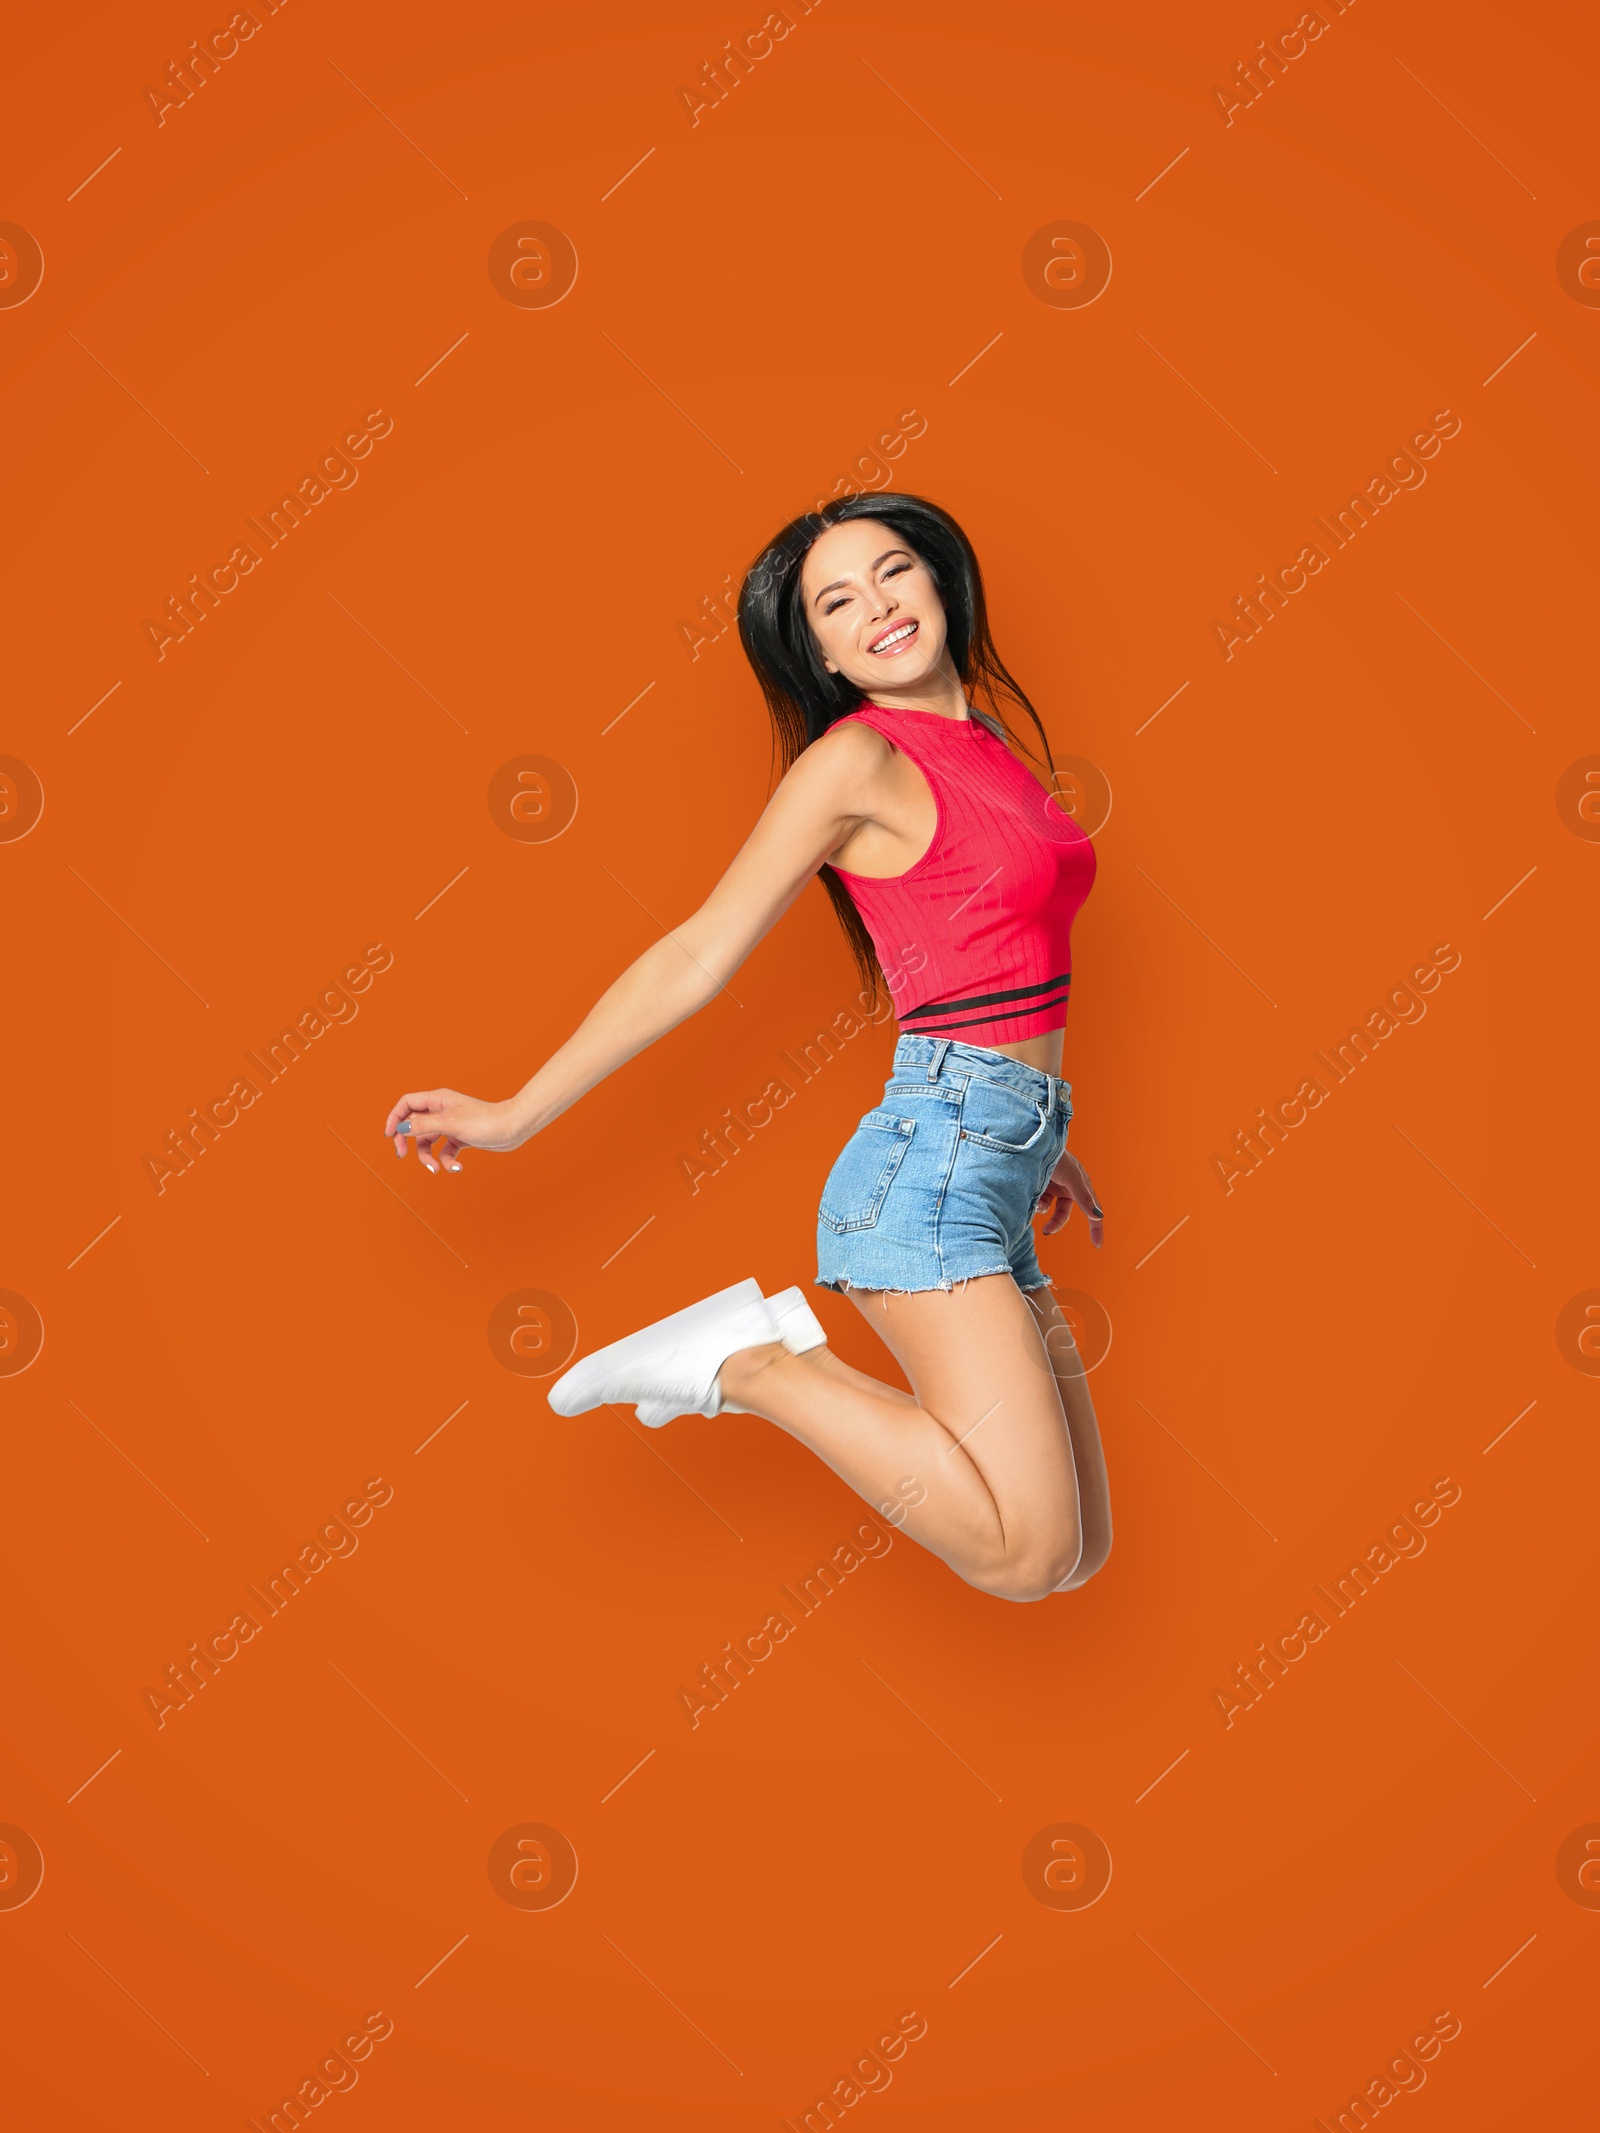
(673, 1364)
(799, 1329)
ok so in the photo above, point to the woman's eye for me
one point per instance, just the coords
(895, 569)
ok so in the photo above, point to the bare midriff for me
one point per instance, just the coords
(1041, 1052)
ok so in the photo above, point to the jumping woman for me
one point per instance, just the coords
(956, 874)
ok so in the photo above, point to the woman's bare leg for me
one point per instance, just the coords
(977, 1465)
(1094, 1492)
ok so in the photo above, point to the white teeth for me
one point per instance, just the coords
(894, 637)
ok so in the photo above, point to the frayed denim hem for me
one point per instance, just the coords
(844, 1284)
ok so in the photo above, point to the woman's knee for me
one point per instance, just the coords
(1096, 1554)
(1034, 1571)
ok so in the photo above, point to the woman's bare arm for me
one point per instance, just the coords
(824, 797)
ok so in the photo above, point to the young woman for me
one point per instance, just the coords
(957, 875)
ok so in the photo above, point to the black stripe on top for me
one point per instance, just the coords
(948, 1029)
(944, 1029)
(987, 999)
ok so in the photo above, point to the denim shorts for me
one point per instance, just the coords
(941, 1182)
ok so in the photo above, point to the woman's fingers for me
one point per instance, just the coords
(415, 1131)
(414, 1100)
(1055, 1207)
(442, 1122)
(424, 1118)
(408, 1118)
(435, 1147)
(1069, 1185)
(1084, 1193)
(424, 1131)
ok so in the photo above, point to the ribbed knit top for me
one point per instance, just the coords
(976, 938)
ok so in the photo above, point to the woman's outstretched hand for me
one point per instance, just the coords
(441, 1122)
(1069, 1183)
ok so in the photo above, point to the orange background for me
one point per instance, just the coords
(756, 303)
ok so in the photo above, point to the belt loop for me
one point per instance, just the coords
(941, 1046)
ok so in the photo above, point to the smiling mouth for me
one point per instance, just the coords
(895, 641)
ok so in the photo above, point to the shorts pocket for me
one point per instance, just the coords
(859, 1181)
(995, 1116)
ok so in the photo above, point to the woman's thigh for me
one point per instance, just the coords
(1072, 1385)
(975, 1358)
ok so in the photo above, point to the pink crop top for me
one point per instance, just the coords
(975, 939)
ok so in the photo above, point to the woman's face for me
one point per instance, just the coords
(873, 607)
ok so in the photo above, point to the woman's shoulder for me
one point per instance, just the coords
(851, 743)
(839, 768)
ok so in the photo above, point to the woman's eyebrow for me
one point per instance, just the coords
(877, 564)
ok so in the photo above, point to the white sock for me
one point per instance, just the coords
(799, 1327)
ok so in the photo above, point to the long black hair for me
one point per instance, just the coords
(804, 699)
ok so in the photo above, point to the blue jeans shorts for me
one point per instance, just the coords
(941, 1182)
